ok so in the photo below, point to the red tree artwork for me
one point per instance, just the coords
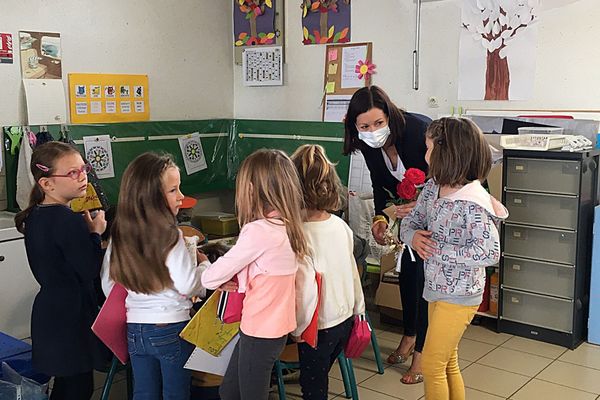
(495, 23)
(324, 34)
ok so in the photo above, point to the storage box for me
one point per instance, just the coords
(217, 223)
(388, 294)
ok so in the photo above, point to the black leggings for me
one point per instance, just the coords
(414, 307)
(76, 387)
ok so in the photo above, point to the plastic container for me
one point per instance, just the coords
(494, 289)
(217, 223)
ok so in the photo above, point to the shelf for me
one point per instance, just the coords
(486, 314)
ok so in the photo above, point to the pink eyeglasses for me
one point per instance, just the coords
(75, 174)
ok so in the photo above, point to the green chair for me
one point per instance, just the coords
(376, 352)
(115, 367)
(345, 368)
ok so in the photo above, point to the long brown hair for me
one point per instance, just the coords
(267, 181)
(43, 162)
(460, 152)
(145, 230)
(362, 101)
(320, 182)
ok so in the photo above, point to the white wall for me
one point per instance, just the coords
(567, 69)
(183, 45)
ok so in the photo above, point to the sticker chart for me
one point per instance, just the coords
(263, 66)
(97, 98)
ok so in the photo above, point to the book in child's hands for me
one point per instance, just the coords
(111, 324)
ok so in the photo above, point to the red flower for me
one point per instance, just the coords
(406, 190)
(415, 176)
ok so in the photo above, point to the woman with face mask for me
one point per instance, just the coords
(391, 142)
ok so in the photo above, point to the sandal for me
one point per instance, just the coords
(396, 358)
(412, 379)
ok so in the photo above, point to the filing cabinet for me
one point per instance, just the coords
(546, 244)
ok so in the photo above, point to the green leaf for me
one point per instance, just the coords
(248, 16)
(312, 38)
(337, 37)
(262, 35)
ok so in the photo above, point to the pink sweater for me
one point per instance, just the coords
(265, 267)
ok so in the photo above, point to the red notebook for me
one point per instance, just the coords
(111, 324)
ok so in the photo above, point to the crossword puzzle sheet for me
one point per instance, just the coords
(263, 66)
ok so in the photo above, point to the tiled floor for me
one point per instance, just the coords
(495, 366)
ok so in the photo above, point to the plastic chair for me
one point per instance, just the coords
(375, 345)
(115, 367)
(346, 369)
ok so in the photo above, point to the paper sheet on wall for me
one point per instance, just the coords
(359, 179)
(336, 107)
(192, 152)
(46, 104)
(202, 361)
(98, 151)
(350, 57)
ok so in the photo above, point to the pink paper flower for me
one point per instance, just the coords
(364, 69)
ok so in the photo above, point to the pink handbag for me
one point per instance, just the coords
(360, 337)
(230, 305)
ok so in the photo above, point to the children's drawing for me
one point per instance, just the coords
(98, 152)
(192, 152)
(325, 21)
(497, 49)
(253, 22)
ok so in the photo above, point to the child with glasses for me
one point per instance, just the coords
(65, 256)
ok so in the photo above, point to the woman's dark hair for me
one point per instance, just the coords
(43, 161)
(460, 152)
(362, 101)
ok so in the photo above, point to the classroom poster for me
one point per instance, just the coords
(41, 55)
(325, 21)
(98, 98)
(6, 48)
(497, 49)
(192, 152)
(98, 152)
(46, 103)
(253, 22)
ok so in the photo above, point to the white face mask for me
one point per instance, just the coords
(375, 139)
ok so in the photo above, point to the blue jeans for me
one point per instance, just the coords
(158, 355)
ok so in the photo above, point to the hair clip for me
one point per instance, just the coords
(42, 167)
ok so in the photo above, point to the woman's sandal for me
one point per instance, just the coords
(411, 379)
(396, 358)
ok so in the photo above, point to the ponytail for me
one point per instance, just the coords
(35, 198)
(42, 165)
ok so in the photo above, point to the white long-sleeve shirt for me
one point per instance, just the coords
(332, 244)
(170, 305)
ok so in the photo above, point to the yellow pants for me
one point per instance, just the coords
(441, 374)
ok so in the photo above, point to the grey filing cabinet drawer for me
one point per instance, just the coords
(554, 211)
(553, 176)
(540, 277)
(537, 310)
(540, 243)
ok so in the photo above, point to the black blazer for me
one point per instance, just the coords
(411, 148)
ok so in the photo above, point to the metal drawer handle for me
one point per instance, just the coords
(506, 255)
(545, 194)
(539, 228)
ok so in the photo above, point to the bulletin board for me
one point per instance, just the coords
(101, 98)
(343, 77)
(340, 65)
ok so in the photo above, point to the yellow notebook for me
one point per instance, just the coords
(207, 331)
(89, 202)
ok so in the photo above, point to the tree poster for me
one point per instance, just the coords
(253, 22)
(497, 49)
(325, 21)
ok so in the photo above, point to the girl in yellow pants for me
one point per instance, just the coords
(452, 228)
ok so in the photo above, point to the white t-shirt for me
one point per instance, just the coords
(170, 305)
(398, 173)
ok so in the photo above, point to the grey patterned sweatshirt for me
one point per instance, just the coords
(463, 225)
